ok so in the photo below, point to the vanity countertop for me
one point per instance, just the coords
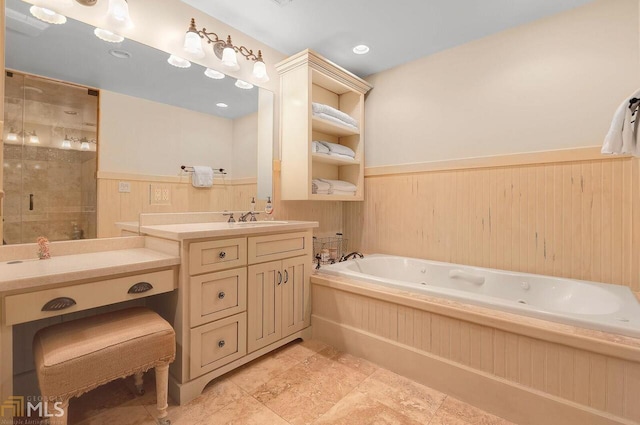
(185, 231)
(33, 273)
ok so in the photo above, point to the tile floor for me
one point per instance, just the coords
(301, 383)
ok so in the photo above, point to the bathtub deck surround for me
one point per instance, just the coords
(545, 371)
(243, 291)
(79, 276)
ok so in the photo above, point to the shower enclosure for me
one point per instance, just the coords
(49, 147)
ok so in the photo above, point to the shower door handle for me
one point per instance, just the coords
(31, 202)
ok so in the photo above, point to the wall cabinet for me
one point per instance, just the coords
(278, 300)
(306, 78)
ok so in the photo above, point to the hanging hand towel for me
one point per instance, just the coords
(202, 176)
(622, 137)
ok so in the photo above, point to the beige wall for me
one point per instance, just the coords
(245, 147)
(144, 137)
(551, 84)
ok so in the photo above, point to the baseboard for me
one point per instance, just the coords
(508, 400)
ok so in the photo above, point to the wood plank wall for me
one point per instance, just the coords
(573, 219)
(114, 206)
(604, 383)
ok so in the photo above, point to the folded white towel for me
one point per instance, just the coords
(202, 176)
(319, 147)
(320, 108)
(320, 184)
(335, 120)
(340, 185)
(622, 137)
(339, 149)
(337, 155)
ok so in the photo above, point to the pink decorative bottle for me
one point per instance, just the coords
(43, 248)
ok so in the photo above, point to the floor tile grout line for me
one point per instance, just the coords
(435, 412)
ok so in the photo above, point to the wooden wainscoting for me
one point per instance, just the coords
(577, 219)
(581, 379)
(181, 196)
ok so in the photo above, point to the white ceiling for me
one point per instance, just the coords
(396, 31)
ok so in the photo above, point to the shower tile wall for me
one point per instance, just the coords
(63, 186)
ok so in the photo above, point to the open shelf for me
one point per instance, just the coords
(315, 197)
(329, 127)
(333, 160)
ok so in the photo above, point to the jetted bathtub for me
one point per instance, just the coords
(600, 306)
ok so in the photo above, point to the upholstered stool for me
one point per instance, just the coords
(77, 356)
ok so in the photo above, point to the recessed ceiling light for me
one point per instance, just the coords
(212, 73)
(120, 54)
(178, 62)
(361, 49)
(243, 85)
(47, 15)
(108, 36)
(222, 105)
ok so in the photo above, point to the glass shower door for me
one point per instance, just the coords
(50, 169)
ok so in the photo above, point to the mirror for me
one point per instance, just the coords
(154, 117)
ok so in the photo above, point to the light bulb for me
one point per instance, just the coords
(85, 146)
(118, 12)
(66, 144)
(47, 15)
(12, 136)
(33, 138)
(212, 73)
(108, 36)
(243, 85)
(229, 59)
(178, 62)
(260, 72)
(361, 49)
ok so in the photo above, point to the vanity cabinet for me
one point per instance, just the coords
(279, 301)
(305, 78)
(240, 297)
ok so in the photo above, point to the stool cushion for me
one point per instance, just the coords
(75, 357)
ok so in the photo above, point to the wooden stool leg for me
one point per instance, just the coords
(162, 388)
(137, 380)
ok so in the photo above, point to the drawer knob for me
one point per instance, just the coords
(221, 295)
(221, 343)
(58, 304)
(222, 254)
(140, 287)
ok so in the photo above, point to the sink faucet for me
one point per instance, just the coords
(351, 255)
(243, 217)
(231, 219)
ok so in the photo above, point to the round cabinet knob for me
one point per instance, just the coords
(222, 254)
(221, 295)
(221, 343)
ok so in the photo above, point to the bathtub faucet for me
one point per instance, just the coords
(351, 255)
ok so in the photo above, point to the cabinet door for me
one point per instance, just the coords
(264, 318)
(296, 300)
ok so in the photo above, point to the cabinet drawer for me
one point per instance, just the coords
(276, 247)
(215, 344)
(211, 256)
(68, 299)
(217, 295)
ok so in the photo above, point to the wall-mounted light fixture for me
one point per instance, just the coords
(224, 50)
(85, 144)
(117, 16)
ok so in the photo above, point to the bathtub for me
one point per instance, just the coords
(604, 307)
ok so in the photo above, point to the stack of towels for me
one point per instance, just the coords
(332, 187)
(332, 149)
(332, 114)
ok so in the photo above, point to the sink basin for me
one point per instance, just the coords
(259, 223)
